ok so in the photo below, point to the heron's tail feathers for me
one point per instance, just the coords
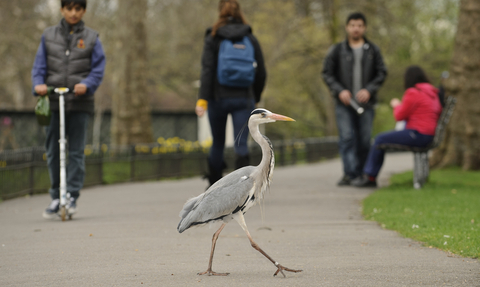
(187, 208)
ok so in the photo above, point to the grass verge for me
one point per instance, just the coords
(445, 214)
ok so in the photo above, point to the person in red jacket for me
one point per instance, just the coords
(420, 108)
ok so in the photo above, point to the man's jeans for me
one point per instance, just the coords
(405, 137)
(354, 138)
(75, 132)
(218, 110)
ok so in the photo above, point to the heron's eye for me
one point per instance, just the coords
(264, 115)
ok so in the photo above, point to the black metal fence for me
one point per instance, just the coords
(25, 171)
(23, 130)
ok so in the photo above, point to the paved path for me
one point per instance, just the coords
(125, 235)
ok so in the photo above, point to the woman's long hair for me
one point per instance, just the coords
(413, 76)
(228, 9)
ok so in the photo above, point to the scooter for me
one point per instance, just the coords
(64, 197)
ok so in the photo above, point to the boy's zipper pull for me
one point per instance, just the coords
(67, 53)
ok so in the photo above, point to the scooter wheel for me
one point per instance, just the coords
(63, 213)
(69, 217)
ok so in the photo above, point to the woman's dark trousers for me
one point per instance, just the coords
(218, 110)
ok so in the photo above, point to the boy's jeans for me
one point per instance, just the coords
(354, 138)
(218, 111)
(75, 132)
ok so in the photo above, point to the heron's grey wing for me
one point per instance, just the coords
(223, 198)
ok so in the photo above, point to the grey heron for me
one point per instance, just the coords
(231, 196)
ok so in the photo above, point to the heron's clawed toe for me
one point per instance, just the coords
(211, 273)
(281, 268)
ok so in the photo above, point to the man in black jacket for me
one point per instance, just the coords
(354, 71)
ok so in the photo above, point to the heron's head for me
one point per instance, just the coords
(262, 116)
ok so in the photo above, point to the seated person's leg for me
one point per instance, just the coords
(376, 156)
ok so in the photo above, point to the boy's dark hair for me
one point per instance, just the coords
(82, 3)
(415, 75)
(357, 16)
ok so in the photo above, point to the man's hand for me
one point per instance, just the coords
(363, 96)
(395, 102)
(345, 96)
(41, 89)
(80, 89)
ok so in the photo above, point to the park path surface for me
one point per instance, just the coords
(125, 235)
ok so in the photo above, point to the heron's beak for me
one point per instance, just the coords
(278, 117)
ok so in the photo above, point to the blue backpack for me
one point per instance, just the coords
(236, 63)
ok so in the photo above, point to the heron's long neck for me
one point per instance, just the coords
(265, 168)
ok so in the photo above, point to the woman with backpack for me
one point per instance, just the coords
(232, 81)
(420, 108)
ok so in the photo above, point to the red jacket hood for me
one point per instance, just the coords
(428, 89)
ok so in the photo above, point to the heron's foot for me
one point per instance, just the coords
(211, 273)
(281, 268)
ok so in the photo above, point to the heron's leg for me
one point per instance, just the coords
(241, 220)
(214, 241)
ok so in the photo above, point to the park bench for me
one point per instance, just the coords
(421, 168)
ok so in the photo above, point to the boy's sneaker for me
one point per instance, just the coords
(71, 206)
(52, 210)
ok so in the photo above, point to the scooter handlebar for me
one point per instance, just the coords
(61, 91)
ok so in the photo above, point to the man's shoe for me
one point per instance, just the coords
(344, 181)
(52, 210)
(364, 181)
(71, 206)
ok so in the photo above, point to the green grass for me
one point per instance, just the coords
(445, 214)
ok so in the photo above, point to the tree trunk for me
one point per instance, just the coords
(131, 119)
(461, 146)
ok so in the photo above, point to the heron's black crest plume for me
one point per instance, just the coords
(259, 111)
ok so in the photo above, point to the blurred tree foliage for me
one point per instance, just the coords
(295, 36)
(22, 23)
